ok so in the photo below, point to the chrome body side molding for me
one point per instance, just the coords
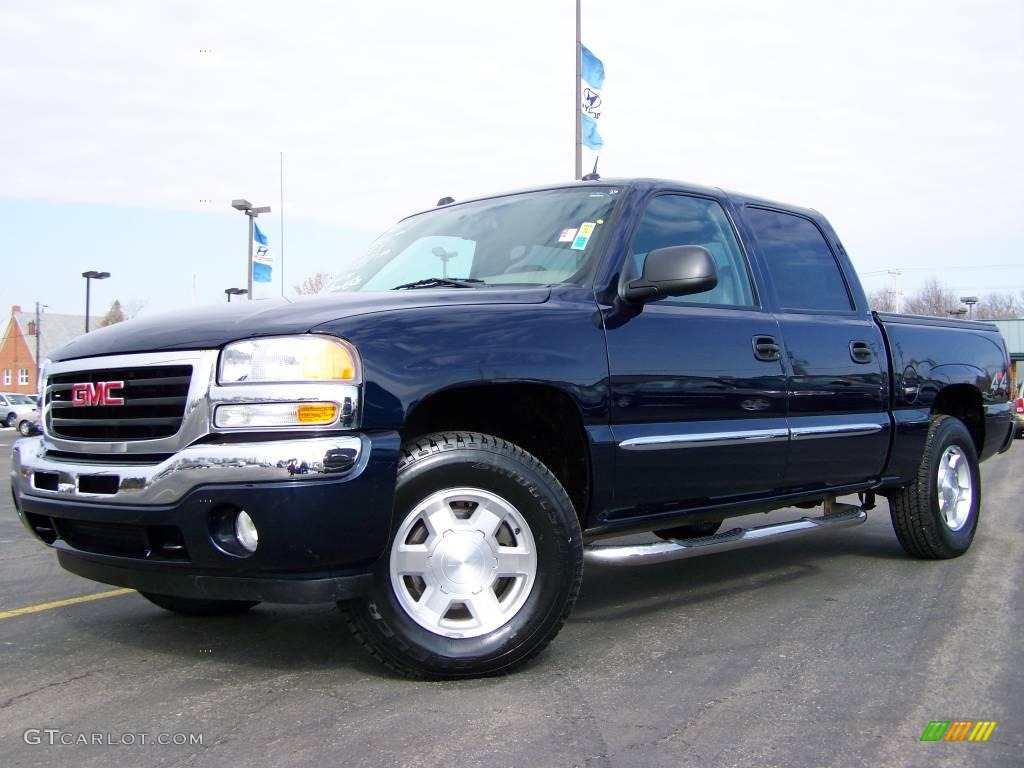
(705, 439)
(747, 436)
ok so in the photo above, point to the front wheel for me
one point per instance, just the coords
(25, 428)
(484, 563)
(936, 516)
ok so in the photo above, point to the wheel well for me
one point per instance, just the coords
(964, 402)
(540, 419)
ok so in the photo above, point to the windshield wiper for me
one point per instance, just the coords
(442, 282)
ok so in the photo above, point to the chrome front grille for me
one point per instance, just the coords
(152, 403)
(166, 405)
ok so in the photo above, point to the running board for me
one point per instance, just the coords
(839, 516)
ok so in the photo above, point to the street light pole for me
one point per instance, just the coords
(252, 212)
(970, 301)
(89, 277)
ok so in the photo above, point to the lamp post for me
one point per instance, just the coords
(234, 292)
(89, 277)
(252, 212)
(970, 301)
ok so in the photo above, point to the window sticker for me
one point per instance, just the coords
(583, 236)
(568, 235)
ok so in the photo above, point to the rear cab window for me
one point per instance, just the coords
(803, 269)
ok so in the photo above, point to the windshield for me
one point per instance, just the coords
(21, 399)
(534, 238)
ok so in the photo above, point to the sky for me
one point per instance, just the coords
(901, 122)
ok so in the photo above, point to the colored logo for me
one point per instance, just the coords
(99, 393)
(958, 730)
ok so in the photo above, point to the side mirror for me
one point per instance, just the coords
(679, 270)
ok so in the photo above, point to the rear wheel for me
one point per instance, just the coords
(11, 420)
(484, 563)
(190, 606)
(936, 516)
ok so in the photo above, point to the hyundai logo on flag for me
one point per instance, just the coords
(591, 73)
(262, 261)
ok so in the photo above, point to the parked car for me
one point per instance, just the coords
(17, 409)
(28, 428)
(499, 388)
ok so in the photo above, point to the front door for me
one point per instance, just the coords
(698, 388)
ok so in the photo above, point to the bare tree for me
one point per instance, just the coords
(998, 306)
(882, 300)
(132, 308)
(317, 283)
(114, 315)
(934, 299)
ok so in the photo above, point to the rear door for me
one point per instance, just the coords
(698, 388)
(834, 355)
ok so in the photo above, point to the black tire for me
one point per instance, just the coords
(916, 516)
(11, 420)
(689, 531)
(190, 606)
(436, 463)
(25, 428)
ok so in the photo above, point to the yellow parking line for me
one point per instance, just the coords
(62, 603)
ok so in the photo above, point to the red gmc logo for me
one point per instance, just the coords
(100, 393)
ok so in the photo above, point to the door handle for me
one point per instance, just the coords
(861, 352)
(766, 348)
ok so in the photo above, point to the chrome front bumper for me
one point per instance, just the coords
(33, 473)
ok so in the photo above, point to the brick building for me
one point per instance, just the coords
(18, 369)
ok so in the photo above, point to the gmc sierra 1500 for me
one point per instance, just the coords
(497, 388)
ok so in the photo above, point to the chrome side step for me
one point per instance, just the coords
(838, 516)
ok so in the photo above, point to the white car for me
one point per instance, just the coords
(21, 411)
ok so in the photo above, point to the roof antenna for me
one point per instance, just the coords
(593, 175)
(445, 201)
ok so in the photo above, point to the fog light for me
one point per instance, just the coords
(245, 532)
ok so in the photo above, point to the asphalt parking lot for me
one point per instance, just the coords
(835, 650)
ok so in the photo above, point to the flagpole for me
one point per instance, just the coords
(282, 224)
(579, 99)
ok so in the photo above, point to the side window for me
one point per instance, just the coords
(802, 266)
(680, 220)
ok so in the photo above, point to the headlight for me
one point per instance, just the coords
(288, 359)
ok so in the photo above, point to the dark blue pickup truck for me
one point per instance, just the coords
(491, 395)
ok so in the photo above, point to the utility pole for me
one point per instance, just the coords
(37, 337)
(897, 294)
(579, 98)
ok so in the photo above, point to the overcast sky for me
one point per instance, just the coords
(901, 121)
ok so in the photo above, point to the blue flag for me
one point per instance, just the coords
(591, 106)
(262, 261)
(591, 68)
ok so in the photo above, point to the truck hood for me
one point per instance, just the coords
(213, 326)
